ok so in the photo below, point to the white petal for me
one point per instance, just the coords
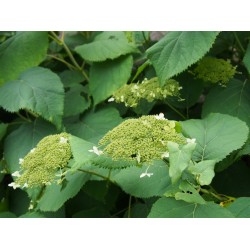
(191, 140)
(149, 174)
(25, 185)
(21, 160)
(63, 140)
(16, 174)
(31, 206)
(32, 150)
(14, 185)
(165, 155)
(143, 175)
(96, 151)
(111, 99)
(160, 116)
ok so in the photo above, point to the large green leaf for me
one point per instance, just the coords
(107, 77)
(22, 140)
(240, 208)
(95, 124)
(20, 52)
(171, 208)
(178, 50)
(107, 45)
(56, 195)
(233, 100)
(131, 182)
(217, 135)
(37, 89)
(179, 159)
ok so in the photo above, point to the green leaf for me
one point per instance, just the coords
(178, 50)
(240, 208)
(246, 59)
(37, 89)
(94, 125)
(155, 185)
(3, 129)
(74, 102)
(7, 215)
(189, 194)
(80, 150)
(22, 140)
(204, 171)
(179, 159)
(233, 100)
(55, 196)
(171, 208)
(107, 45)
(217, 135)
(20, 52)
(107, 77)
(70, 78)
(32, 215)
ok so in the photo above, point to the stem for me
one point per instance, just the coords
(96, 174)
(177, 111)
(61, 41)
(23, 117)
(129, 206)
(239, 42)
(70, 66)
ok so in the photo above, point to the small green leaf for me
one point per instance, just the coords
(20, 52)
(171, 208)
(179, 159)
(246, 59)
(178, 50)
(233, 100)
(204, 171)
(217, 135)
(107, 77)
(240, 208)
(133, 183)
(189, 194)
(107, 45)
(94, 125)
(37, 89)
(22, 140)
(55, 196)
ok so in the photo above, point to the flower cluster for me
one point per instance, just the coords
(214, 70)
(41, 164)
(142, 140)
(150, 90)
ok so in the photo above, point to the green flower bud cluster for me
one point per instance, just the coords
(214, 70)
(142, 140)
(41, 164)
(131, 94)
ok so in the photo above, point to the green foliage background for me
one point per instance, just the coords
(51, 82)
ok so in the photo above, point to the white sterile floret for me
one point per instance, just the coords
(95, 150)
(31, 206)
(63, 140)
(192, 141)
(32, 150)
(14, 185)
(111, 99)
(25, 185)
(160, 116)
(165, 155)
(146, 174)
(21, 160)
(16, 174)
